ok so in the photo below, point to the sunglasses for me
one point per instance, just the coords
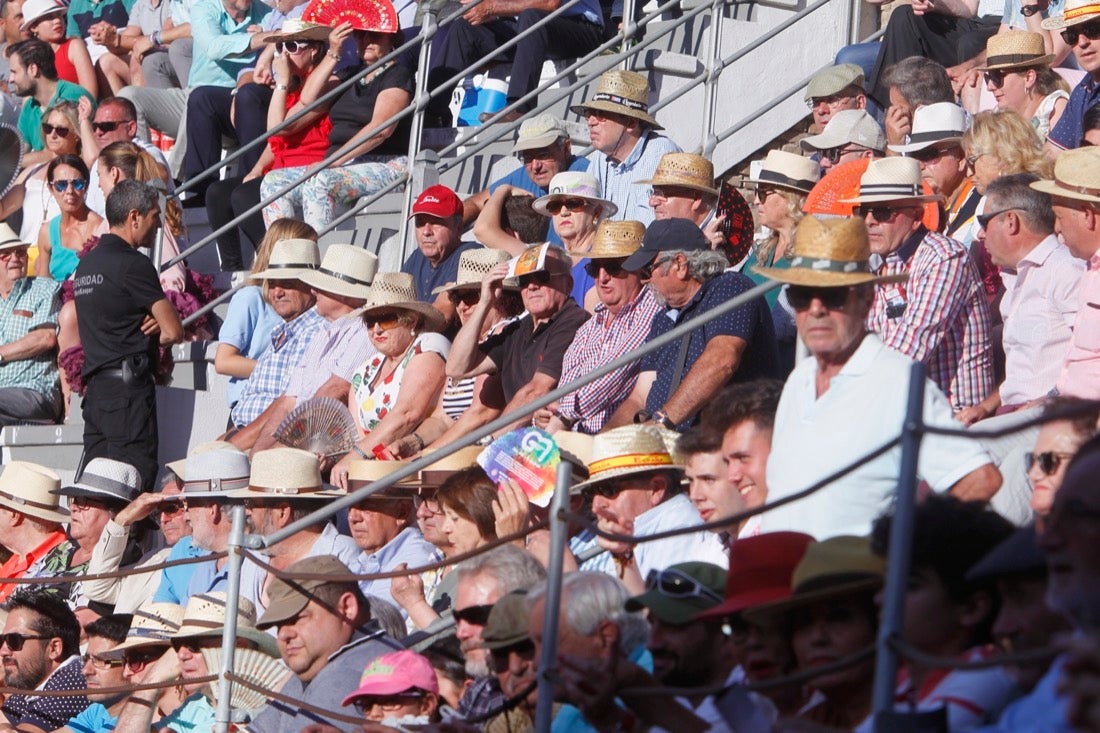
(1029, 10)
(927, 155)
(62, 185)
(881, 214)
(995, 78)
(540, 278)
(13, 252)
(385, 321)
(1048, 461)
(524, 649)
(665, 193)
(109, 125)
(468, 298)
(532, 156)
(833, 155)
(388, 703)
(15, 641)
(675, 584)
(291, 46)
(763, 193)
(100, 663)
(984, 219)
(613, 268)
(48, 129)
(170, 508)
(555, 206)
(475, 615)
(195, 646)
(1073, 34)
(801, 296)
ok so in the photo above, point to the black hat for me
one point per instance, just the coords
(666, 235)
(1019, 554)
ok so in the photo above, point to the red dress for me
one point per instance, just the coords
(65, 68)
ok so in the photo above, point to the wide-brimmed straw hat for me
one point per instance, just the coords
(9, 239)
(296, 29)
(760, 571)
(151, 628)
(934, 124)
(831, 568)
(788, 170)
(828, 253)
(1015, 49)
(891, 179)
(473, 266)
(290, 259)
(576, 448)
(397, 291)
(204, 617)
(626, 451)
(1073, 13)
(1076, 176)
(378, 16)
(620, 92)
(346, 270)
(686, 170)
(285, 473)
(436, 473)
(575, 185)
(615, 239)
(539, 132)
(107, 480)
(36, 10)
(31, 489)
(214, 473)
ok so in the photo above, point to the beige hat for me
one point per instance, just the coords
(346, 270)
(152, 627)
(435, 474)
(1074, 12)
(8, 238)
(28, 488)
(1015, 49)
(615, 239)
(788, 170)
(575, 447)
(833, 80)
(891, 179)
(1076, 176)
(285, 473)
(847, 127)
(621, 92)
(575, 185)
(212, 473)
(296, 29)
(828, 253)
(365, 473)
(397, 291)
(473, 265)
(626, 451)
(686, 170)
(290, 259)
(204, 617)
(540, 132)
(934, 124)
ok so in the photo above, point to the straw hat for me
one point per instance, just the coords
(364, 473)
(621, 92)
(290, 259)
(539, 132)
(435, 474)
(204, 617)
(934, 124)
(575, 185)
(626, 451)
(828, 253)
(212, 473)
(107, 480)
(1015, 49)
(788, 170)
(285, 473)
(9, 239)
(151, 628)
(1074, 12)
(397, 291)
(760, 571)
(616, 239)
(1076, 176)
(36, 10)
(296, 29)
(685, 170)
(31, 489)
(346, 270)
(834, 567)
(891, 179)
(473, 265)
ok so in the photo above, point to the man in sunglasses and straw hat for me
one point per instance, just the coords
(832, 288)
(1079, 25)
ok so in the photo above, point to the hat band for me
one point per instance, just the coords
(1013, 58)
(775, 177)
(6, 242)
(620, 100)
(292, 266)
(215, 484)
(102, 483)
(202, 624)
(1075, 188)
(824, 264)
(342, 276)
(632, 460)
(27, 502)
(899, 190)
(284, 490)
(148, 633)
(932, 136)
(1073, 13)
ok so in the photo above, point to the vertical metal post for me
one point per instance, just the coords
(714, 70)
(901, 540)
(427, 30)
(544, 713)
(630, 27)
(229, 632)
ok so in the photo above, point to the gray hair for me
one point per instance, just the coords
(590, 598)
(388, 616)
(703, 264)
(130, 195)
(511, 567)
(920, 81)
(1015, 192)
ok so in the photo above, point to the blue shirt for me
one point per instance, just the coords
(428, 277)
(520, 179)
(581, 280)
(1043, 710)
(221, 48)
(570, 718)
(94, 719)
(247, 327)
(34, 303)
(408, 547)
(1069, 130)
(617, 178)
(174, 580)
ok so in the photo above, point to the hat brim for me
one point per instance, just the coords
(12, 244)
(28, 22)
(668, 610)
(264, 642)
(913, 147)
(50, 515)
(1052, 188)
(613, 473)
(610, 208)
(1040, 61)
(433, 319)
(1060, 22)
(544, 140)
(604, 106)
(640, 259)
(329, 284)
(886, 198)
(90, 493)
(285, 273)
(782, 185)
(327, 492)
(748, 598)
(820, 278)
(318, 34)
(657, 181)
(129, 644)
(798, 600)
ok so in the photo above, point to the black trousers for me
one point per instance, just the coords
(208, 122)
(225, 200)
(120, 422)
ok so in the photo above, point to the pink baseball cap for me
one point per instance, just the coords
(438, 201)
(396, 673)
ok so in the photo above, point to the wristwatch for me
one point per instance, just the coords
(663, 420)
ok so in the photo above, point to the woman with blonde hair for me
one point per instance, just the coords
(1000, 143)
(1017, 73)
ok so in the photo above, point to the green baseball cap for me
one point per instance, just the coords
(678, 593)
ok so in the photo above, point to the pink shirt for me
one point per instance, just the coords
(1081, 373)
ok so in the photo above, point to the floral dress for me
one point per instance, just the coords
(375, 404)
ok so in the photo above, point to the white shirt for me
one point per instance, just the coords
(701, 546)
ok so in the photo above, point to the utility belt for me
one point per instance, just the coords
(131, 370)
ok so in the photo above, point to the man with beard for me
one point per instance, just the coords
(39, 650)
(103, 635)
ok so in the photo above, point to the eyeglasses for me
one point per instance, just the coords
(972, 159)
(1048, 461)
(389, 703)
(427, 502)
(995, 77)
(524, 649)
(170, 508)
(801, 296)
(196, 645)
(475, 615)
(1090, 30)
(833, 102)
(931, 153)
(1029, 10)
(109, 125)
(48, 129)
(833, 155)
(384, 321)
(15, 641)
(83, 502)
(763, 192)
(881, 214)
(468, 298)
(541, 278)
(291, 46)
(13, 252)
(665, 193)
(62, 185)
(135, 662)
(984, 219)
(613, 268)
(532, 156)
(611, 489)
(675, 584)
(100, 663)
(574, 205)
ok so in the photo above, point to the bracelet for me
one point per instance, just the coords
(362, 453)
(281, 87)
(154, 38)
(333, 56)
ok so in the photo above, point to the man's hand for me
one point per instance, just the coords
(609, 521)
(899, 122)
(492, 285)
(406, 589)
(140, 508)
(920, 7)
(84, 109)
(150, 326)
(100, 31)
(479, 14)
(713, 233)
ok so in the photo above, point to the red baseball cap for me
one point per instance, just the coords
(760, 571)
(438, 201)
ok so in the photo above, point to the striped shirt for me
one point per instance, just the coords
(938, 316)
(1081, 371)
(604, 338)
(342, 347)
(617, 178)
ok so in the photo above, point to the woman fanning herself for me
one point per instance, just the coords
(61, 238)
(373, 163)
(392, 393)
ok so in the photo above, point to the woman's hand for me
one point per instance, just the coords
(84, 109)
(510, 509)
(280, 64)
(336, 39)
(339, 475)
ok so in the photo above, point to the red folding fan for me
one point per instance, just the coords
(364, 15)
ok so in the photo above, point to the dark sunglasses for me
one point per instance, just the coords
(1073, 34)
(995, 78)
(525, 649)
(475, 615)
(984, 219)
(531, 156)
(613, 268)
(170, 508)
(801, 296)
(555, 206)
(388, 703)
(62, 185)
(109, 125)
(1048, 461)
(468, 297)
(48, 129)
(833, 155)
(386, 321)
(881, 214)
(195, 646)
(291, 46)
(927, 155)
(674, 584)
(15, 641)
(541, 278)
